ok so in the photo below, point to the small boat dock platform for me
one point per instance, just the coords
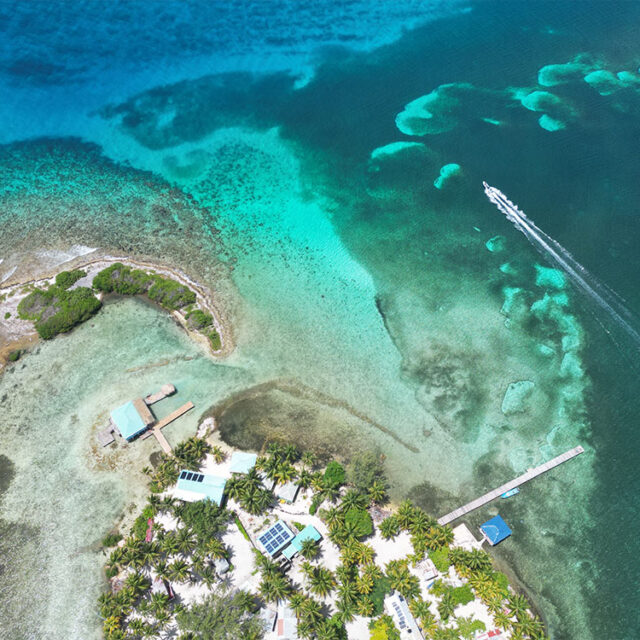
(165, 391)
(156, 429)
(525, 477)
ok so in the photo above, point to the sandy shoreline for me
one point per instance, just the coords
(16, 333)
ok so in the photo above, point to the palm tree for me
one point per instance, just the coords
(378, 492)
(364, 607)
(353, 498)
(347, 592)
(346, 610)
(274, 587)
(309, 549)
(208, 576)
(154, 502)
(216, 548)
(502, 620)
(405, 513)
(170, 544)
(518, 605)
(478, 560)
(372, 572)
(332, 516)
(218, 454)
(296, 600)
(137, 583)
(304, 479)
(311, 611)
(322, 582)
(364, 553)
(179, 571)
(159, 601)
(420, 522)
(308, 459)
(446, 607)
(290, 453)
(420, 608)
(327, 630)
(186, 541)
(150, 552)
(389, 528)
(284, 472)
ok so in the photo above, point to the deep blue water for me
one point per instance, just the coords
(333, 77)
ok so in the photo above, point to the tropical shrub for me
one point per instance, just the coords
(111, 539)
(365, 469)
(334, 475)
(198, 319)
(65, 279)
(123, 280)
(55, 310)
(360, 520)
(170, 294)
(440, 559)
(383, 629)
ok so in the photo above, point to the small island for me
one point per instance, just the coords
(282, 544)
(56, 305)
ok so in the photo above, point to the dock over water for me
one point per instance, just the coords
(525, 477)
(156, 429)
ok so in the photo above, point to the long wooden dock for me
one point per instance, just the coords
(525, 477)
(156, 429)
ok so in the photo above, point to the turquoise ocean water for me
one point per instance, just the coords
(320, 165)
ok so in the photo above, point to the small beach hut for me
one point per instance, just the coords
(397, 606)
(221, 565)
(194, 486)
(242, 462)
(287, 491)
(495, 530)
(287, 623)
(132, 418)
(275, 538)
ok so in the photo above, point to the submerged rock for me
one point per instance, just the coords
(447, 172)
(496, 244)
(571, 367)
(604, 82)
(550, 278)
(515, 397)
(394, 147)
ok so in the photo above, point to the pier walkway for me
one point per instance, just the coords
(156, 429)
(525, 477)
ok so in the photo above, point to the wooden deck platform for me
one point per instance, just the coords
(525, 477)
(165, 391)
(174, 415)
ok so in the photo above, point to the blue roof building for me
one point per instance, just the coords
(193, 486)
(275, 538)
(308, 533)
(495, 530)
(242, 462)
(132, 418)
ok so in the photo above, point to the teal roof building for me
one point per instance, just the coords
(193, 486)
(242, 462)
(308, 533)
(132, 418)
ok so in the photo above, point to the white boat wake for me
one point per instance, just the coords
(597, 291)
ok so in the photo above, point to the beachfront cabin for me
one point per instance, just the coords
(242, 462)
(398, 609)
(287, 492)
(194, 486)
(286, 623)
(308, 533)
(275, 538)
(132, 418)
(221, 566)
(495, 530)
(268, 617)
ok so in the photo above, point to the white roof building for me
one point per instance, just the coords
(287, 623)
(397, 607)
